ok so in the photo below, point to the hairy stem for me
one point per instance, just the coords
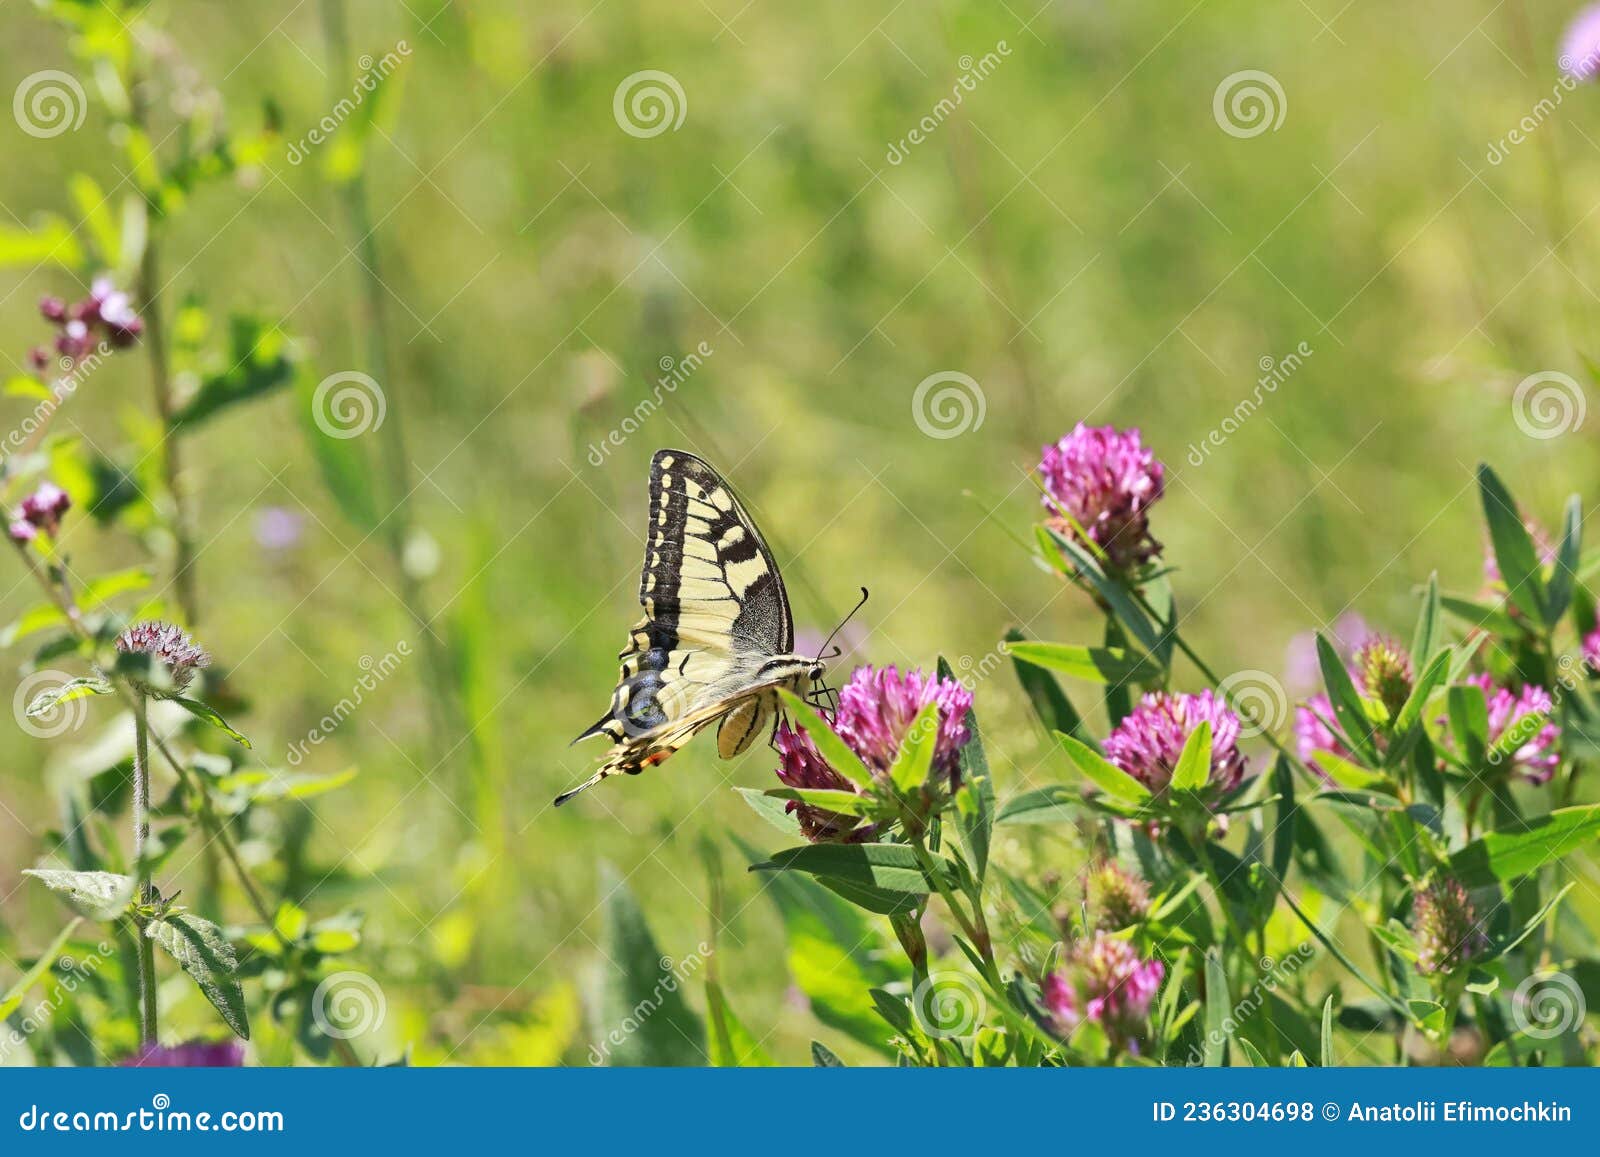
(146, 892)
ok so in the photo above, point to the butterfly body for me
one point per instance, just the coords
(716, 642)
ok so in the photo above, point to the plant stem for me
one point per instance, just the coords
(391, 431)
(146, 893)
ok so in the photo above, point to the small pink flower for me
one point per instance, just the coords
(41, 510)
(879, 704)
(1100, 483)
(1147, 743)
(1104, 980)
(1536, 759)
(1311, 734)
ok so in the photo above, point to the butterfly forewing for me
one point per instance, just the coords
(717, 632)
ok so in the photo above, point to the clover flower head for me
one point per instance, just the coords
(1100, 483)
(1448, 929)
(802, 766)
(879, 704)
(1103, 979)
(1116, 898)
(1148, 741)
(1529, 711)
(1383, 671)
(1580, 46)
(168, 645)
(107, 314)
(41, 510)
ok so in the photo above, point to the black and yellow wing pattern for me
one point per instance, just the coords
(717, 635)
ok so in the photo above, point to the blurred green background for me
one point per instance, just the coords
(1080, 237)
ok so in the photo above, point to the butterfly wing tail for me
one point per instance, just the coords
(603, 773)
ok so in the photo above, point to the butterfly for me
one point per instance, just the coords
(717, 639)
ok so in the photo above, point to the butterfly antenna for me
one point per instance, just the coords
(842, 623)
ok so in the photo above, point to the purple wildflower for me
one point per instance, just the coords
(1580, 47)
(194, 1054)
(801, 766)
(1591, 648)
(41, 510)
(1305, 669)
(107, 314)
(1100, 483)
(1104, 980)
(1449, 932)
(168, 645)
(1147, 743)
(278, 528)
(1529, 710)
(878, 705)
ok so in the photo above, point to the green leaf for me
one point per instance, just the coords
(1194, 762)
(204, 953)
(200, 711)
(257, 363)
(1347, 707)
(1094, 664)
(1481, 616)
(827, 741)
(1431, 679)
(1564, 572)
(1054, 804)
(12, 1000)
(97, 220)
(892, 867)
(1508, 855)
(97, 895)
(838, 800)
(1049, 702)
(1218, 1007)
(1328, 1061)
(1252, 1055)
(1426, 637)
(774, 811)
(914, 760)
(1109, 588)
(975, 803)
(51, 242)
(1514, 551)
(823, 1057)
(108, 587)
(1469, 722)
(1110, 778)
(638, 977)
(39, 618)
(51, 698)
(729, 1044)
